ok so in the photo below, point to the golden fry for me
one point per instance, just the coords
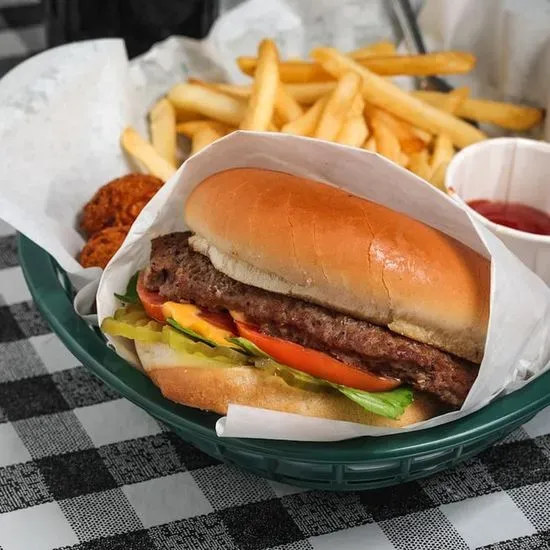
(387, 143)
(234, 90)
(306, 94)
(287, 108)
(408, 139)
(384, 94)
(455, 98)
(425, 136)
(306, 124)
(145, 154)
(419, 65)
(443, 151)
(418, 163)
(382, 48)
(162, 124)
(354, 132)
(210, 103)
(203, 137)
(370, 144)
(264, 90)
(338, 106)
(358, 106)
(310, 92)
(300, 72)
(505, 115)
(438, 177)
(296, 71)
(190, 128)
(185, 115)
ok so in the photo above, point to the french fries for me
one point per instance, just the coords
(387, 143)
(342, 97)
(419, 65)
(290, 72)
(387, 95)
(190, 128)
(204, 136)
(443, 150)
(354, 132)
(162, 125)
(310, 92)
(418, 163)
(295, 72)
(286, 107)
(370, 144)
(306, 124)
(210, 103)
(409, 141)
(305, 94)
(454, 99)
(264, 90)
(505, 115)
(437, 179)
(234, 90)
(146, 155)
(382, 48)
(338, 106)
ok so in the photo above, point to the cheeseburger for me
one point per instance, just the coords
(294, 295)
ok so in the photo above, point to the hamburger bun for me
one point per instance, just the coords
(299, 237)
(214, 388)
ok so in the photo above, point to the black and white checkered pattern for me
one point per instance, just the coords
(81, 468)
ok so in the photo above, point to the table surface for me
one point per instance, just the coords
(81, 468)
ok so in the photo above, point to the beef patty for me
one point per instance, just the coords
(180, 274)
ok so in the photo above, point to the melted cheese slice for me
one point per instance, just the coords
(188, 316)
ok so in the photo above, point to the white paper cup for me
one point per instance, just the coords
(510, 170)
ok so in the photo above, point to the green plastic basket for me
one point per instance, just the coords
(364, 463)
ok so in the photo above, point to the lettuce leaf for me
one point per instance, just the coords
(391, 404)
(131, 295)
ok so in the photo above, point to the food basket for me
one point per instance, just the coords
(363, 463)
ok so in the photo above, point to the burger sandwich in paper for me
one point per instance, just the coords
(294, 295)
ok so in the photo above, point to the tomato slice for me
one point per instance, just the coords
(316, 363)
(152, 301)
(219, 320)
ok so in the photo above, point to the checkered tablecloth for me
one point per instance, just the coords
(82, 468)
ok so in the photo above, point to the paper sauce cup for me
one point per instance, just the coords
(509, 170)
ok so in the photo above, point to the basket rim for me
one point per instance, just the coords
(41, 274)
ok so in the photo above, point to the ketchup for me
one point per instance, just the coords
(515, 215)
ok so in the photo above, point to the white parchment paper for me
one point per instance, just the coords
(518, 343)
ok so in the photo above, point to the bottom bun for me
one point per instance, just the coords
(214, 388)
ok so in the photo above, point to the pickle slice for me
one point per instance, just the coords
(150, 332)
(291, 376)
(178, 341)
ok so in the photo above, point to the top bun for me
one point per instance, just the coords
(296, 236)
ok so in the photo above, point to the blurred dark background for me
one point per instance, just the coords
(140, 22)
(29, 26)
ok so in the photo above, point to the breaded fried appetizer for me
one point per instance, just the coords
(102, 246)
(118, 202)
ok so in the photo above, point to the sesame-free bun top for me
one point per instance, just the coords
(300, 237)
